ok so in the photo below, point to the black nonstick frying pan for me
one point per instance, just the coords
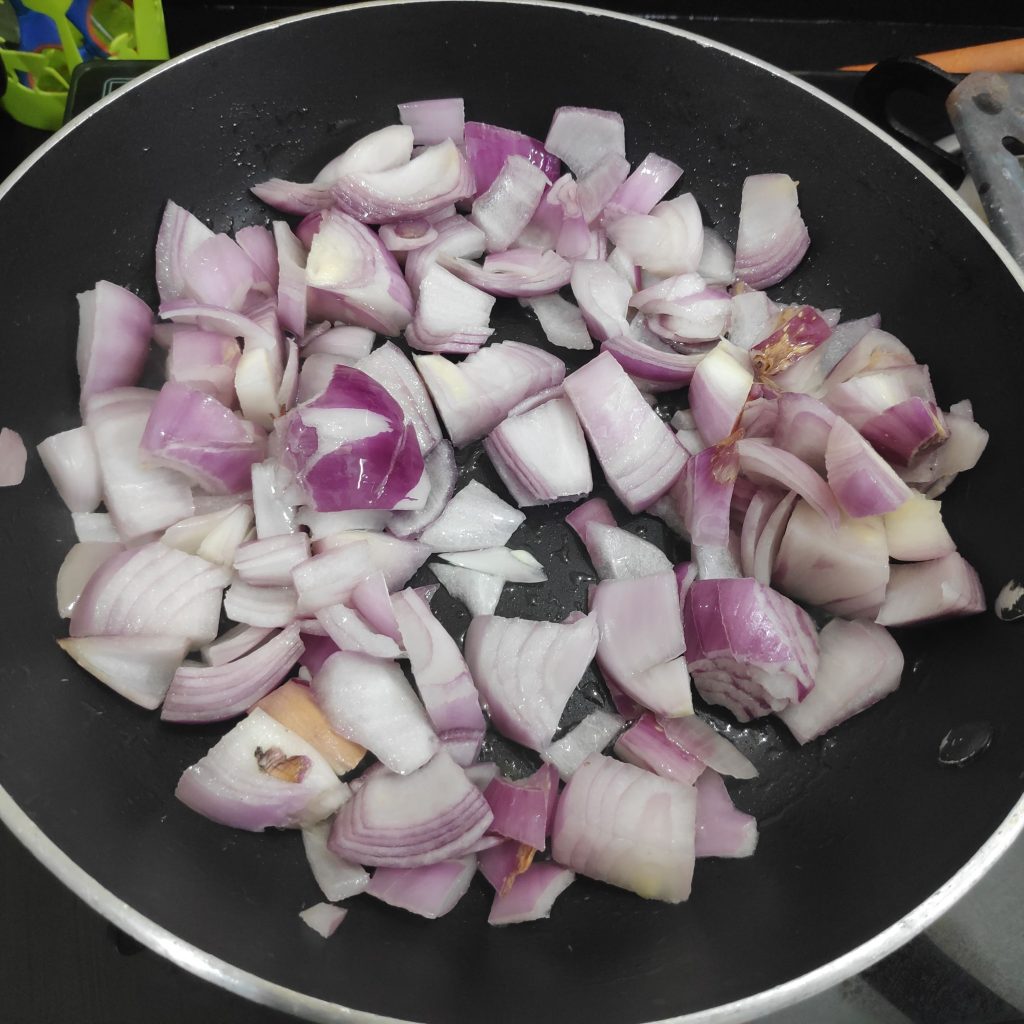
(865, 838)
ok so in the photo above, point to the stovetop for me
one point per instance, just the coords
(62, 962)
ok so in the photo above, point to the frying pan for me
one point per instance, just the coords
(865, 838)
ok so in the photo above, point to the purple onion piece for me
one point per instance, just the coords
(646, 745)
(433, 121)
(430, 891)
(523, 809)
(488, 147)
(721, 830)
(531, 896)
(772, 237)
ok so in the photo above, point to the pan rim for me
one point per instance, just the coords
(263, 991)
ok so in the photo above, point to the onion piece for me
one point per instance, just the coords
(331, 576)
(474, 518)
(640, 456)
(137, 667)
(581, 137)
(597, 187)
(721, 830)
(379, 151)
(618, 554)
(433, 179)
(219, 272)
(705, 494)
(95, 526)
(901, 433)
(718, 392)
(451, 315)
(214, 536)
(649, 183)
(269, 562)
(140, 499)
(505, 207)
(758, 513)
(622, 825)
(942, 588)
(206, 361)
(396, 559)
(488, 147)
(291, 290)
(596, 510)
(789, 357)
(70, 459)
(433, 121)
(12, 458)
(293, 705)
(338, 880)
(323, 918)
(876, 350)
(667, 241)
(294, 197)
(213, 693)
(391, 368)
(860, 664)
(641, 641)
(368, 701)
(514, 273)
(351, 632)
(430, 815)
(561, 321)
(933, 471)
(541, 454)
(257, 243)
(512, 566)
(646, 744)
(192, 432)
(843, 571)
(81, 561)
(478, 591)
(590, 736)
(749, 649)
(236, 642)
(474, 396)
(352, 277)
(527, 670)
(442, 678)
(684, 310)
(862, 481)
(763, 464)
(602, 296)
(802, 428)
(698, 738)
(346, 342)
(915, 532)
(179, 235)
(532, 895)
(443, 474)
(524, 808)
(151, 590)
(259, 606)
(457, 238)
(430, 891)
(352, 447)
(228, 785)
(717, 259)
(652, 367)
(772, 237)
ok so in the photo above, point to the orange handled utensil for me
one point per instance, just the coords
(1005, 55)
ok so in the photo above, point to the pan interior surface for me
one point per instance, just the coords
(856, 829)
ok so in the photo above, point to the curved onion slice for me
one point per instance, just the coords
(432, 180)
(433, 121)
(269, 562)
(772, 237)
(596, 510)
(915, 532)
(507, 204)
(212, 693)
(758, 513)
(379, 151)
(70, 459)
(561, 321)
(943, 588)
(602, 296)
(802, 428)
(644, 188)
(368, 701)
(646, 744)
(527, 670)
(749, 648)
(442, 678)
(430, 815)
(901, 433)
(451, 315)
(478, 591)
(618, 554)
(259, 606)
(443, 474)
(457, 238)
(354, 278)
(863, 482)
(488, 147)
(337, 878)
(396, 559)
(351, 631)
(667, 241)
(81, 561)
(721, 830)
(541, 454)
(511, 566)
(230, 784)
(94, 526)
(620, 824)
(236, 642)
(152, 590)
(430, 891)
(698, 738)
(137, 667)
(874, 351)
(474, 518)
(474, 396)
(140, 499)
(657, 366)
(532, 895)
(391, 368)
(591, 736)
(581, 137)
(684, 310)
(641, 644)
(765, 464)
(718, 392)
(179, 236)
(515, 273)
(705, 492)
(204, 360)
(524, 808)
(352, 446)
(639, 454)
(860, 664)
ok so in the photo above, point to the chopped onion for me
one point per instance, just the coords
(705, 494)
(646, 744)
(379, 151)
(70, 459)
(95, 526)
(667, 241)
(488, 147)
(764, 464)
(511, 566)
(392, 370)
(602, 296)
(137, 667)
(902, 432)
(717, 260)
(718, 392)
(860, 664)
(915, 532)
(721, 830)
(337, 878)
(179, 236)
(474, 518)
(874, 351)
(590, 736)
(397, 559)
(478, 591)
(942, 588)
(639, 454)
(749, 648)
(618, 554)
(433, 121)
(430, 891)
(649, 183)
(212, 693)
(323, 918)
(443, 474)
(698, 738)
(525, 808)
(79, 564)
(236, 642)
(620, 824)
(260, 606)
(561, 321)
(269, 562)
(407, 821)
(451, 315)
(457, 238)
(368, 701)
(802, 428)
(772, 237)
(230, 784)
(532, 894)
(581, 137)
(526, 671)
(505, 207)
(863, 482)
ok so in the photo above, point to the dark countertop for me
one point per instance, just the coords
(62, 962)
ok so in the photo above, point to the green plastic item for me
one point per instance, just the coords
(40, 102)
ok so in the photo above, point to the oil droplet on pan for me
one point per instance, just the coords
(964, 743)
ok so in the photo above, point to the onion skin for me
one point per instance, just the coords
(622, 825)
